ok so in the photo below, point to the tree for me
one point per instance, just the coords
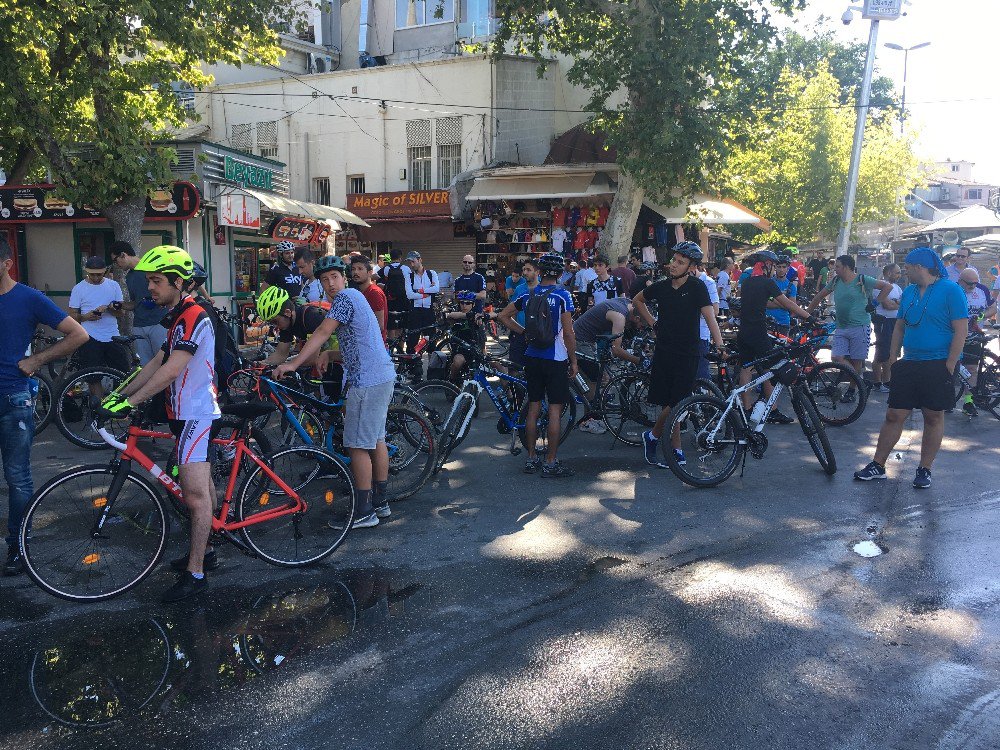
(87, 91)
(664, 80)
(795, 171)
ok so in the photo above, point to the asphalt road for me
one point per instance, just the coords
(617, 609)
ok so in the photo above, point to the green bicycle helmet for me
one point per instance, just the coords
(271, 302)
(791, 250)
(167, 259)
(329, 263)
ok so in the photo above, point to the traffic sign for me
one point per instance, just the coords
(883, 10)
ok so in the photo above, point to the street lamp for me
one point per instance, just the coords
(906, 64)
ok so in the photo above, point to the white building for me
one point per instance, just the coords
(950, 188)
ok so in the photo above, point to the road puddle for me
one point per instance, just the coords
(868, 548)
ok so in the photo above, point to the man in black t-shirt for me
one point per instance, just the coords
(297, 322)
(284, 272)
(643, 278)
(757, 294)
(681, 302)
(392, 278)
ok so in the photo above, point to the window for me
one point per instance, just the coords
(241, 136)
(478, 14)
(449, 164)
(267, 139)
(420, 167)
(974, 195)
(423, 12)
(321, 190)
(954, 167)
(355, 183)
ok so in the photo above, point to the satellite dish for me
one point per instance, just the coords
(950, 237)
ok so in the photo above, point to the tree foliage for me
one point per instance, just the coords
(794, 172)
(664, 77)
(87, 86)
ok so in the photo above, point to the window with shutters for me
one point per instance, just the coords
(241, 137)
(267, 139)
(420, 167)
(321, 190)
(355, 183)
(448, 137)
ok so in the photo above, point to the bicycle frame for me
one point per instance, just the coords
(499, 399)
(735, 402)
(131, 452)
(278, 392)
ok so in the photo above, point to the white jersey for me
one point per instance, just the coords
(193, 393)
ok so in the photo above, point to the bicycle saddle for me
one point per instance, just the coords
(124, 340)
(249, 410)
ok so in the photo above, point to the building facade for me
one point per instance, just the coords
(951, 188)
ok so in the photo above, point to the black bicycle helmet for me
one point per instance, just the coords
(765, 256)
(689, 250)
(551, 264)
(199, 276)
(782, 258)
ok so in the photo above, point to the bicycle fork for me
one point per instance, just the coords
(122, 469)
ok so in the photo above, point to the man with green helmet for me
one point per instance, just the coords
(369, 372)
(186, 368)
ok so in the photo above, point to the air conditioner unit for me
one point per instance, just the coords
(323, 63)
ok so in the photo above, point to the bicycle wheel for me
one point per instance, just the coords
(43, 402)
(828, 383)
(705, 387)
(434, 398)
(499, 338)
(812, 428)
(567, 420)
(625, 407)
(67, 557)
(987, 390)
(412, 445)
(326, 487)
(76, 408)
(710, 440)
(310, 423)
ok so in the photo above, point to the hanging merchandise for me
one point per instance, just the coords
(602, 215)
(559, 217)
(650, 233)
(662, 236)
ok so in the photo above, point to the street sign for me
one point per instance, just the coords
(883, 10)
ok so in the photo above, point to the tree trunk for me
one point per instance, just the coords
(617, 237)
(126, 219)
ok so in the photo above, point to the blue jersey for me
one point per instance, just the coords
(560, 301)
(780, 315)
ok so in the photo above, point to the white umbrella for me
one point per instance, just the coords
(973, 217)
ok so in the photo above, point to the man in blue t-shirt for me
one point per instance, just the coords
(22, 309)
(781, 317)
(528, 280)
(470, 281)
(931, 325)
(548, 369)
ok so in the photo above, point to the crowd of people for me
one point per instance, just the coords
(342, 315)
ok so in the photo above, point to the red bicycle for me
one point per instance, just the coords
(94, 532)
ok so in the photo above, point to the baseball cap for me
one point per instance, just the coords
(413, 255)
(96, 263)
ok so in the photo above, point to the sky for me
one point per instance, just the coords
(952, 92)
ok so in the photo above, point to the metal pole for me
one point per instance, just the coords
(859, 137)
(902, 131)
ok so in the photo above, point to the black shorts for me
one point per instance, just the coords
(517, 347)
(672, 378)
(547, 379)
(883, 337)
(750, 348)
(395, 313)
(96, 353)
(921, 384)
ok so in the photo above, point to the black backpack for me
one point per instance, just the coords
(539, 329)
(395, 282)
(227, 352)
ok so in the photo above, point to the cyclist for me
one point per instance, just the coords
(547, 369)
(757, 295)
(681, 301)
(610, 317)
(529, 280)
(980, 307)
(781, 317)
(468, 327)
(643, 278)
(187, 368)
(371, 376)
(296, 322)
(312, 290)
(392, 277)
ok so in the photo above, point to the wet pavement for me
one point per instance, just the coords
(617, 609)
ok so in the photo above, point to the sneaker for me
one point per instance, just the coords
(185, 586)
(679, 455)
(383, 510)
(870, 472)
(923, 478)
(849, 397)
(556, 470)
(361, 522)
(593, 426)
(776, 417)
(211, 562)
(970, 408)
(15, 563)
(884, 388)
(532, 465)
(650, 445)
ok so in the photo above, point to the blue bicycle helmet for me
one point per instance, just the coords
(466, 297)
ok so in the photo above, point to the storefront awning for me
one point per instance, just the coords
(709, 211)
(281, 205)
(525, 187)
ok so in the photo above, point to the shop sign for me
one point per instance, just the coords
(883, 10)
(293, 229)
(322, 232)
(239, 210)
(403, 205)
(248, 175)
(30, 203)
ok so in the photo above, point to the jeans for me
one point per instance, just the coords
(150, 340)
(17, 430)
(703, 367)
